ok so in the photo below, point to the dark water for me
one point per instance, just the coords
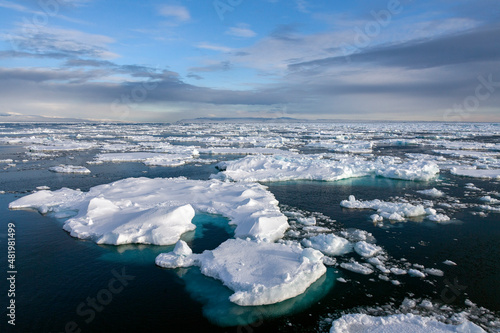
(59, 275)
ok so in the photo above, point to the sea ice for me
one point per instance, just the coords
(356, 267)
(433, 192)
(329, 244)
(408, 323)
(69, 169)
(366, 250)
(258, 273)
(140, 210)
(388, 210)
(305, 167)
(476, 173)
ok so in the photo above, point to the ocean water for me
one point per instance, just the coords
(58, 274)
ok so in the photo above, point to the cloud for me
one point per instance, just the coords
(217, 67)
(179, 13)
(242, 30)
(43, 41)
(466, 47)
(213, 47)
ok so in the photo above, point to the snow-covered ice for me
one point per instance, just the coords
(329, 244)
(366, 250)
(258, 273)
(69, 169)
(306, 167)
(433, 192)
(144, 210)
(476, 173)
(407, 323)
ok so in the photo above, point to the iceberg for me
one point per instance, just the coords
(158, 211)
(258, 273)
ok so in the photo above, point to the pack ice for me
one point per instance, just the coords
(158, 211)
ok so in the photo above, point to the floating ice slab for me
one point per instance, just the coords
(69, 169)
(258, 273)
(356, 267)
(295, 167)
(148, 158)
(408, 323)
(476, 173)
(366, 250)
(144, 210)
(388, 210)
(329, 244)
(433, 192)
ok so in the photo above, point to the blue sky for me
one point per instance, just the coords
(171, 60)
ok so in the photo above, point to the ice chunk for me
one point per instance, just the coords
(434, 271)
(180, 257)
(433, 192)
(134, 209)
(416, 273)
(329, 244)
(438, 217)
(389, 210)
(449, 263)
(69, 169)
(414, 170)
(258, 273)
(307, 220)
(356, 267)
(408, 323)
(489, 199)
(366, 250)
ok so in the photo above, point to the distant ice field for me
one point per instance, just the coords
(263, 227)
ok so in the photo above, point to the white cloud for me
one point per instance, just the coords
(180, 13)
(213, 47)
(242, 30)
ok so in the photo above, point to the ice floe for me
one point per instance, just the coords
(143, 210)
(476, 173)
(433, 192)
(258, 273)
(306, 167)
(408, 323)
(69, 169)
(329, 244)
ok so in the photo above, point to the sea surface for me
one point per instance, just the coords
(57, 275)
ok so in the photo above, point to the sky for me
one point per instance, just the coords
(162, 61)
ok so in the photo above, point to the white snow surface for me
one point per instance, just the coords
(258, 273)
(388, 210)
(407, 323)
(366, 250)
(476, 173)
(157, 211)
(433, 192)
(307, 167)
(69, 169)
(329, 244)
